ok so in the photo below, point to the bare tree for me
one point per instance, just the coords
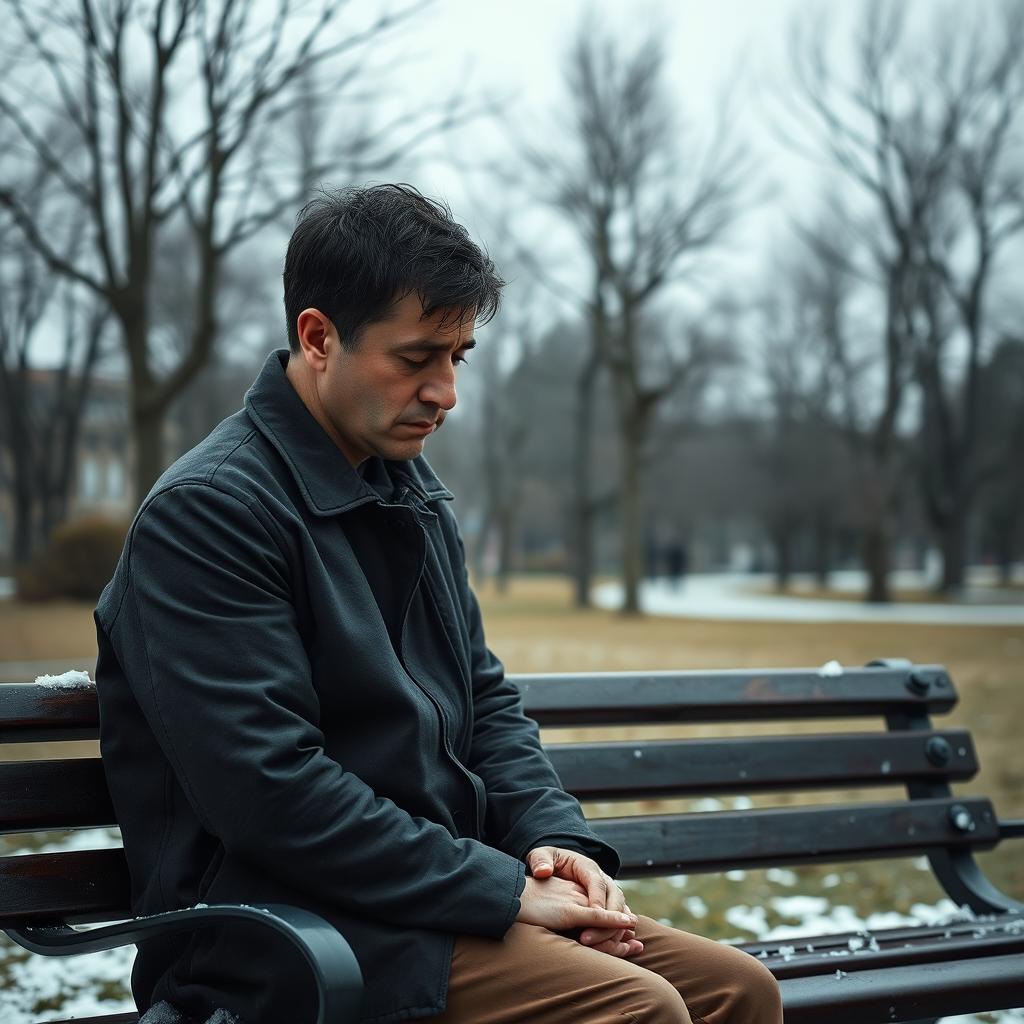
(799, 476)
(883, 132)
(638, 217)
(1001, 440)
(980, 86)
(176, 106)
(42, 408)
(506, 421)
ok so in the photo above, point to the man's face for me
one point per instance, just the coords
(389, 393)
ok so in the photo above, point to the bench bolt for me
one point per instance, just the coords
(961, 818)
(918, 683)
(938, 751)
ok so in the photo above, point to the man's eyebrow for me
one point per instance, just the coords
(431, 345)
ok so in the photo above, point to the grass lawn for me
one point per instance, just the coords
(533, 628)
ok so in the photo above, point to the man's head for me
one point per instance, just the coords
(382, 289)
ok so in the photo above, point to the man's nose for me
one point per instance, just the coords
(440, 389)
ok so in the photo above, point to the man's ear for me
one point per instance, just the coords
(314, 330)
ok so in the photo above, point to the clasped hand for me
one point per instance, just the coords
(570, 891)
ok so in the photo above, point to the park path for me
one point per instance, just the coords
(747, 596)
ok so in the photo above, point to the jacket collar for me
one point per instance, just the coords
(328, 482)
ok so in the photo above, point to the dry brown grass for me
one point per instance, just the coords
(46, 630)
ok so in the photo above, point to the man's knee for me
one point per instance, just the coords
(653, 1000)
(756, 996)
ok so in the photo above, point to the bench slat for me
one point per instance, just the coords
(609, 698)
(909, 934)
(79, 886)
(695, 842)
(110, 1018)
(663, 768)
(72, 793)
(924, 952)
(41, 795)
(29, 712)
(923, 991)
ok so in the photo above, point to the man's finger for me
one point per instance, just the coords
(620, 949)
(596, 884)
(541, 862)
(597, 918)
(616, 898)
(595, 936)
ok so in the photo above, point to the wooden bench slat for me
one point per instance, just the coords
(665, 768)
(29, 712)
(610, 698)
(40, 795)
(695, 842)
(909, 934)
(963, 948)
(110, 1018)
(920, 992)
(78, 886)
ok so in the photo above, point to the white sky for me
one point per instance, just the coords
(513, 51)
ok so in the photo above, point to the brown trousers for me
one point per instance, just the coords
(534, 976)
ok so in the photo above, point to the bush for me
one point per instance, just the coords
(77, 563)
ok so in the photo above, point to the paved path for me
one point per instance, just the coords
(736, 596)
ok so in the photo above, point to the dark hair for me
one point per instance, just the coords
(355, 252)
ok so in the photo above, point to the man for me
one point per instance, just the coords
(298, 706)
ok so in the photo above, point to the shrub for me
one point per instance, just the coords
(76, 563)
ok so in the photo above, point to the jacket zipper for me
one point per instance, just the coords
(445, 739)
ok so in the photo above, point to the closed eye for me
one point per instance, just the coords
(458, 359)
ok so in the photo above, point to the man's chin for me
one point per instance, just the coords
(402, 451)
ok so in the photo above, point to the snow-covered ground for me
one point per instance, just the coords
(736, 595)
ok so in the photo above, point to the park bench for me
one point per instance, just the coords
(899, 974)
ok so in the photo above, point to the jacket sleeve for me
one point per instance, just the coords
(207, 634)
(526, 803)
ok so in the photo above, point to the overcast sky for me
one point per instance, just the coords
(514, 51)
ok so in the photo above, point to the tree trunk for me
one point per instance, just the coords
(1004, 527)
(631, 517)
(582, 534)
(24, 526)
(954, 551)
(506, 529)
(822, 548)
(875, 555)
(782, 540)
(148, 432)
(21, 449)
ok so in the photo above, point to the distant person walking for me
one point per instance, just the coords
(676, 563)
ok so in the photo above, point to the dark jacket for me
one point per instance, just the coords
(297, 705)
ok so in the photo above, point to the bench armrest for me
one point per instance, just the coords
(335, 971)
